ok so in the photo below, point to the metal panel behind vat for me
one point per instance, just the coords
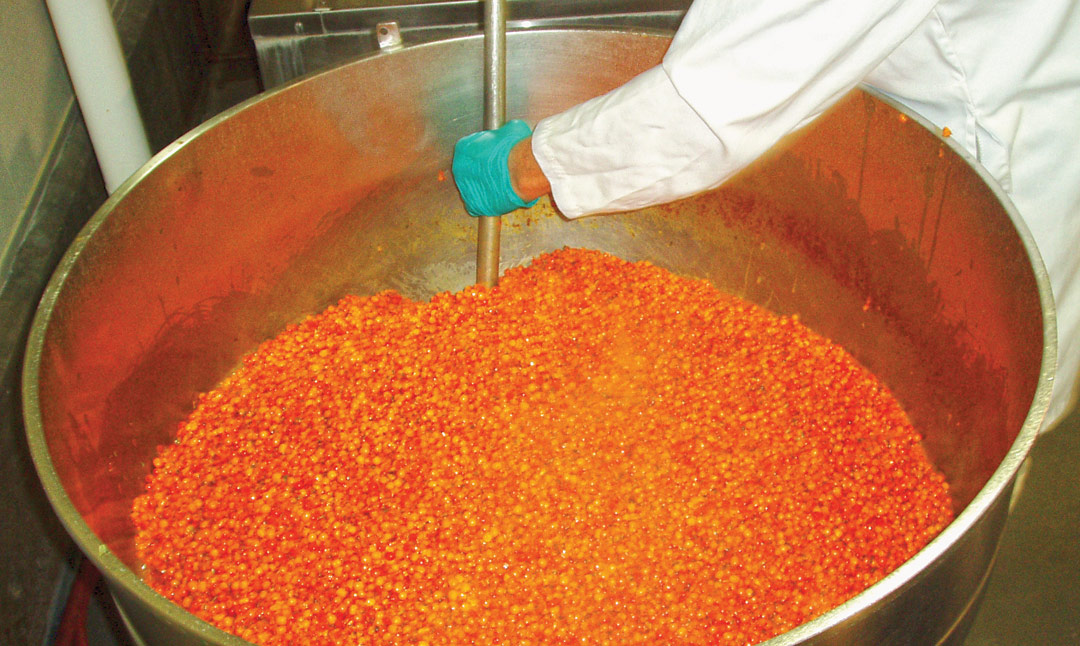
(296, 37)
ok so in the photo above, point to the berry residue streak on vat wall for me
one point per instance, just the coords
(594, 451)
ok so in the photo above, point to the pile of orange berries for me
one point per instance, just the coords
(594, 451)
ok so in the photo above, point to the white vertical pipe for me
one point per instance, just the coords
(98, 71)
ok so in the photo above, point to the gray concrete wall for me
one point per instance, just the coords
(34, 103)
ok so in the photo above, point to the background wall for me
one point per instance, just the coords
(36, 98)
(40, 145)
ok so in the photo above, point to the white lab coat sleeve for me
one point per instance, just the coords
(639, 145)
(739, 76)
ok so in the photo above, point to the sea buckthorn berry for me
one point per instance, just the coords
(593, 451)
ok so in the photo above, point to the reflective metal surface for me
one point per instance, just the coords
(489, 229)
(296, 37)
(871, 228)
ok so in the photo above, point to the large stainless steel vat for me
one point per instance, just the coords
(872, 228)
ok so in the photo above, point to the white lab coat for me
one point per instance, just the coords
(1002, 75)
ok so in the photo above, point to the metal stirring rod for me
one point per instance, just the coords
(488, 234)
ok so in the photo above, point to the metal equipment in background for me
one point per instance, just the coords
(295, 37)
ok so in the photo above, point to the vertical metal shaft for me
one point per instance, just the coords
(487, 243)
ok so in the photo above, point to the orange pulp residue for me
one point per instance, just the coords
(594, 451)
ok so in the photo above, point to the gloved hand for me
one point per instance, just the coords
(481, 172)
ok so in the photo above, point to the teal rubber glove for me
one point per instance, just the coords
(481, 172)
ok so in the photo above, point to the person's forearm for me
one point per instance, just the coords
(526, 176)
(756, 71)
(750, 73)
